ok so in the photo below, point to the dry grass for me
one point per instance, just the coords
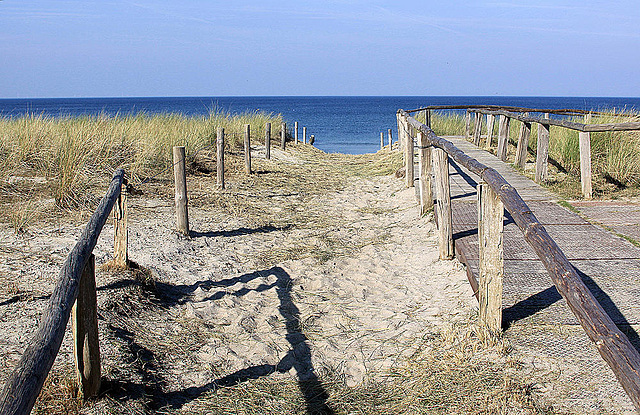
(295, 190)
(70, 160)
(454, 373)
(60, 395)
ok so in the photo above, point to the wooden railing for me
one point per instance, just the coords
(496, 195)
(76, 282)
(506, 114)
(75, 292)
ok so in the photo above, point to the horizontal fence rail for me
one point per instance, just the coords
(24, 384)
(623, 126)
(506, 108)
(504, 116)
(614, 347)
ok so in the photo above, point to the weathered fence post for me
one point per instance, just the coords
(427, 118)
(220, 158)
(542, 151)
(585, 164)
(491, 264)
(267, 140)
(25, 382)
(443, 203)
(295, 132)
(490, 122)
(247, 148)
(283, 135)
(312, 139)
(381, 140)
(304, 135)
(180, 178)
(401, 137)
(467, 130)
(120, 232)
(409, 157)
(390, 139)
(84, 325)
(503, 137)
(523, 144)
(477, 130)
(424, 163)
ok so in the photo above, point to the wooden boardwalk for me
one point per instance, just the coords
(609, 265)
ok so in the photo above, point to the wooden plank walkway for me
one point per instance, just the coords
(609, 265)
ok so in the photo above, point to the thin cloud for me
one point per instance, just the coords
(38, 14)
(534, 6)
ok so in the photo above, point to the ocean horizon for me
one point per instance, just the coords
(344, 124)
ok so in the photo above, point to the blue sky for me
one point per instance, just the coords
(68, 48)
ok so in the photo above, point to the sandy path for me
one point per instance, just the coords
(219, 310)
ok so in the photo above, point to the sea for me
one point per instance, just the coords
(340, 124)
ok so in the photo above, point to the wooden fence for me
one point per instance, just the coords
(75, 292)
(76, 281)
(495, 195)
(506, 114)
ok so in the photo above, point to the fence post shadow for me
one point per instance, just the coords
(543, 299)
(298, 358)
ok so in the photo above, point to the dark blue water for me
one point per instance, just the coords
(340, 124)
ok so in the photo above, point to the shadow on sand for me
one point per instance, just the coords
(152, 385)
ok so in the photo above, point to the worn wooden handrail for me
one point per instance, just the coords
(622, 126)
(564, 111)
(614, 347)
(24, 384)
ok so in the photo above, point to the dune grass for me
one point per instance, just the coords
(71, 153)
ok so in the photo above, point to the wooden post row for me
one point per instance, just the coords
(220, 158)
(267, 141)
(390, 139)
(443, 203)
(180, 177)
(247, 148)
(503, 137)
(120, 232)
(295, 132)
(304, 135)
(491, 264)
(490, 122)
(467, 131)
(585, 164)
(542, 152)
(84, 326)
(523, 144)
(283, 135)
(381, 140)
(424, 163)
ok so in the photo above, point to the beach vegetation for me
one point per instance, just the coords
(65, 159)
